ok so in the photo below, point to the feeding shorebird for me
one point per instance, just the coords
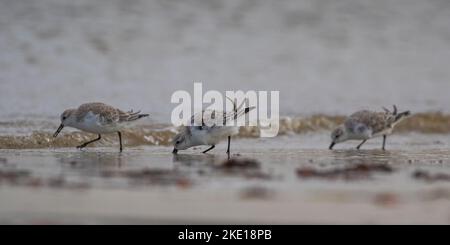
(364, 125)
(97, 118)
(218, 130)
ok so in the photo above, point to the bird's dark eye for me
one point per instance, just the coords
(64, 118)
(178, 142)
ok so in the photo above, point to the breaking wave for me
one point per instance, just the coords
(159, 134)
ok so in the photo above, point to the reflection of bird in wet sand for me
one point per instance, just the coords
(364, 125)
(98, 118)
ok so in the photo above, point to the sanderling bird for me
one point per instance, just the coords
(364, 125)
(97, 118)
(190, 136)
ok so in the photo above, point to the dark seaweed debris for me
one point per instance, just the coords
(24, 178)
(236, 163)
(13, 176)
(426, 176)
(386, 199)
(247, 168)
(437, 194)
(257, 192)
(356, 172)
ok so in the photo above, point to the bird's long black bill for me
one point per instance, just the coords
(58, 130)
(175, 151)
(332, 145)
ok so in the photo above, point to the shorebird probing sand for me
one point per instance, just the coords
(97, 118)
(364, 125)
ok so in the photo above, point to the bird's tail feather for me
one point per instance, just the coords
(239, 110)
(244, 111)
(132, 116)
(396, 116)
(402, 115)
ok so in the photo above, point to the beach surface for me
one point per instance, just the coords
(285, 180)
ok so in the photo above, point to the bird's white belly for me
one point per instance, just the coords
(91, 124)
(97, 129)
(364, 135)
(214, 136)
(385, 132)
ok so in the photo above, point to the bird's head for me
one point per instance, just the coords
(182, 141)
(337, 136)
(67, 118)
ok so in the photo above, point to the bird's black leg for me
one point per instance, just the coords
(212, 147)
(228, 149)
(120, 140)
(384, 142)
(87, 143)
(362, 143)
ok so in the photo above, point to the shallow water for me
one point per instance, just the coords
(267, 174)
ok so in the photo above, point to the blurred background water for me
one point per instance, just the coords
(324, 56)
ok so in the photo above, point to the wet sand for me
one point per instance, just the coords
(285, 180)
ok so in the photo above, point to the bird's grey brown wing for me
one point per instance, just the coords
(376, 121)
(208, 118)
(355, 126)
(381, 122)
(107, 114)
(197, 120)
